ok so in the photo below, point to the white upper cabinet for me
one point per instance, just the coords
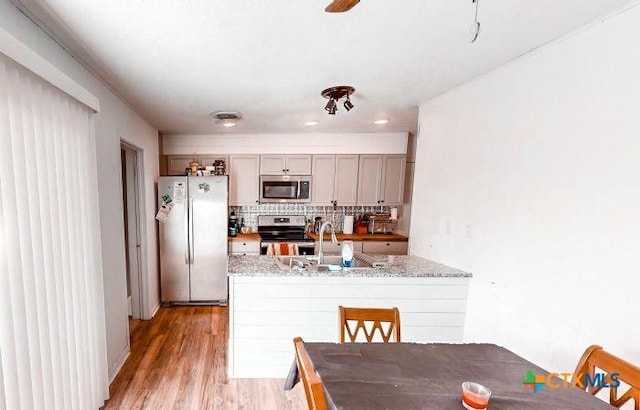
(393, 173)
(272, 164)
(335, 180)
(381, 180)
(324, 177)
(298, 164)
(346, 182)
(285, 165)
(369, 179)
(244, 179)
(176, 164)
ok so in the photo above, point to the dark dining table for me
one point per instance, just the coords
(406, 376)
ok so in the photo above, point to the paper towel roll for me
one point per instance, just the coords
(394, 213)
(347, 227)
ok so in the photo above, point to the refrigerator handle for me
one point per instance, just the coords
(191, 252)
(186, 237)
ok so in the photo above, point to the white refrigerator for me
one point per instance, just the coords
(193, 239)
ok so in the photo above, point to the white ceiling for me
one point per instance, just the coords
(177, 61)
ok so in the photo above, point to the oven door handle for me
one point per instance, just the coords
(300, 244)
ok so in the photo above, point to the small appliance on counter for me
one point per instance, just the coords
(361, 224)
(347, 225)
(233, 224)
(381, 224)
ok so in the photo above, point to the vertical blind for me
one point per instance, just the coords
(52, 326)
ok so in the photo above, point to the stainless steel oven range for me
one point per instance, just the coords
(284, 228)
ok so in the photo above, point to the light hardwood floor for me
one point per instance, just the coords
(178, 361)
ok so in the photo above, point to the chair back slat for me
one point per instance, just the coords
(313, 387)
(596, 358)
(375, 316)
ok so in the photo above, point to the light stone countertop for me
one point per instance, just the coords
(398, 266)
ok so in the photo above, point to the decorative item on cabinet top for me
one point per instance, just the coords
(177, 164)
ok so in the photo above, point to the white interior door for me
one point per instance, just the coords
(131, 205)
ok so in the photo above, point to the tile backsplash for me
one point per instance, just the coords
(328, 213)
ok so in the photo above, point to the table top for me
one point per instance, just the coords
(407, 376)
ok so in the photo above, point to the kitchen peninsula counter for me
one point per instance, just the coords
(245, 237)
(270, 305)
(366, 237)
(397, 266)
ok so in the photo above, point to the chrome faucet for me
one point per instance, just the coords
(334, 240)
(297, 262)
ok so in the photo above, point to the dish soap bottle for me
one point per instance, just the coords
(347, 254)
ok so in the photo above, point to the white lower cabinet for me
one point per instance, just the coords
(267, 312)
(244, 248)
(385, 248)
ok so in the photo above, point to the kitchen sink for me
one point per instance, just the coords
(287, 262)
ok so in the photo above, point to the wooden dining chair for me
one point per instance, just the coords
(313, 387)
(596, 359)
(390, 317)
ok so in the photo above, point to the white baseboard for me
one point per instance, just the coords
(155, 311)
(118, 366)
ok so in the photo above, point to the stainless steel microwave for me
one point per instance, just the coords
(285, 188)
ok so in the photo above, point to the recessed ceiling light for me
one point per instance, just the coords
(229, 124)
(380, 122)
(311, 123)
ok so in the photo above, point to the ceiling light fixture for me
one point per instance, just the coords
(347, 104)
(227, 119)
(311, 123)
(334, 94)
(331, 106)
(380, 122)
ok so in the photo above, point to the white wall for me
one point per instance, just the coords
(116, 120)
(529, 179)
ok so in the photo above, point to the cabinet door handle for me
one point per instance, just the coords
(192, 253)
(244, 244)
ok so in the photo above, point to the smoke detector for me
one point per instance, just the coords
(227, 118)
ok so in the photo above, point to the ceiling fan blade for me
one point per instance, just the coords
(340, 6)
